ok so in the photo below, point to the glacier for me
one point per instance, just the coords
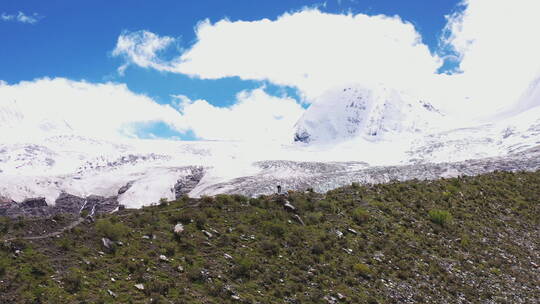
(350, 134)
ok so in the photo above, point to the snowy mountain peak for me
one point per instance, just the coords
(370, 113)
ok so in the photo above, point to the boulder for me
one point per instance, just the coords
(107, 243)
(111, 293)
(178, 229)
(299, 219)
(289, 206)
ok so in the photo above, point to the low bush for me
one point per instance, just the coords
(360, 215)
(440, 217)
(113, 231)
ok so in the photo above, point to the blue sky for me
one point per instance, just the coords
(75, 40)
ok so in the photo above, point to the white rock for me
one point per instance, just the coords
(178, 228)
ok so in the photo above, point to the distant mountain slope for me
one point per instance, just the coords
(350, 134)
(369, 113)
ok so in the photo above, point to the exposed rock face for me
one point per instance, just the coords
(125, 188)
(100, 204)
(185, 184)
(34, 202)
(65, 203)
(68, 203)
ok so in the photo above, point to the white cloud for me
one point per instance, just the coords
(498, 46)
(310, 50)
(142, 48)
(34, 109)
(495, 43)
(21, 17)
(256, 116)
(51, 106)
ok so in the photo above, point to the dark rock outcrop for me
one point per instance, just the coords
(185, 184)
(36, 202)
(68, 203)
(65, 203)
(125, 188)
(100, 204)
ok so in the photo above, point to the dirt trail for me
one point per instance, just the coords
(48, 235)
(79, 221)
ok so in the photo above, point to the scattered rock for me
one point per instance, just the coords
(180, 269)
(330, 299)
(340, 296)
(163, 258)
(139, 286)
(352, 231)
(235, 297)
(289, 206)
(299, 219)
(227, 256)
(107, 243)
(178, 229)
(111, 293)
(208, 234)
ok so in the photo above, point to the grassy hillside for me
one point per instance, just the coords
(471, 239)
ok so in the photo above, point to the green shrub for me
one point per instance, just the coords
(270, 247)
(243, 267)
(440, 217)
(72, 280)
(113, 231)
(163, 202)
(194, 274)
(360, 215)
(4, 224)
(318, 248)
(275, 229)
(362, 270)
(4, 263)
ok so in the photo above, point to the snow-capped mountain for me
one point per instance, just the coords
(369, 113)
(375, 135)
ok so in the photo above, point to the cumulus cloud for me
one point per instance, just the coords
(21, 17)
(498, 49)
(142, 48)
(494, 43)
(256, 116)
(310, 50)
(34, 109)
(45, 106)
